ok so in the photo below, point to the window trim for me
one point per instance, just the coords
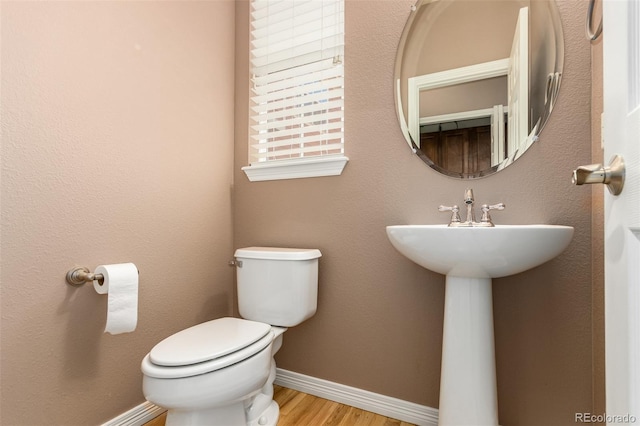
(297, 168)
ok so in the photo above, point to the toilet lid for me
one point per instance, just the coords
(207, 341)
(277, 253)
(149, 369)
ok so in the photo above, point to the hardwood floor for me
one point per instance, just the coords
(301, 409)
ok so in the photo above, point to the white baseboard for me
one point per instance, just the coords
(137, 416)
(376, 403)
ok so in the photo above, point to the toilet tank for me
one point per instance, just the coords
(277, 286)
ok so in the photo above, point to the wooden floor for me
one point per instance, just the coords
(301, 409)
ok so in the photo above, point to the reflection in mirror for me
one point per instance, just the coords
(476, 80)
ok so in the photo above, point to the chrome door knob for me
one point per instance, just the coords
(611, 175)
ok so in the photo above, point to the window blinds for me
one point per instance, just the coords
(297, 102)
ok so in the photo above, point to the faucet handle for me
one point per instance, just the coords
(455, 213)
(486, 218)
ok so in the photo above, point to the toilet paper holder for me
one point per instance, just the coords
(80, 275)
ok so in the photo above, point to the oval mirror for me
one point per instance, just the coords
(476, 80)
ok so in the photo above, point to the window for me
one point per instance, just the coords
(297, 94)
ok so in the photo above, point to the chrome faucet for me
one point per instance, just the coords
(485, 219)
(468, 200)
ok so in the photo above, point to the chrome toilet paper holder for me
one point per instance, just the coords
(80, 275)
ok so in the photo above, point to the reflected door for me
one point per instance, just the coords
(461, 150)
(518, 76)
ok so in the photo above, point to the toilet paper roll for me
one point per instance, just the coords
(121, 285)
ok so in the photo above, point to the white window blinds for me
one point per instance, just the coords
(297, 102)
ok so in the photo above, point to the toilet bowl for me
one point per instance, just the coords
(221, 372)
(215, 382)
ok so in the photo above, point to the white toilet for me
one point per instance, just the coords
(221, 372)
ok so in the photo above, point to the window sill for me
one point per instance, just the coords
(296, 169)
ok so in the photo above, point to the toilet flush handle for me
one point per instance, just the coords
(235, 262)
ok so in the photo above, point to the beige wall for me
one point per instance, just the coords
(117, 142)
(379, 320)
(116, 146)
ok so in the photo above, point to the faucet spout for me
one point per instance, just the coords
(468, 200)
(468, 196)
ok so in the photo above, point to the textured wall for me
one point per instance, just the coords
(117, 142)
(379, 320)
(104, 104)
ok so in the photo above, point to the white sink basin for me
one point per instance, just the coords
(470, 258)
(480, 252)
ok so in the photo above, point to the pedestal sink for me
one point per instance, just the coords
(470, 257)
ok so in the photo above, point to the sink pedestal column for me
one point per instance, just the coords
(468, 391)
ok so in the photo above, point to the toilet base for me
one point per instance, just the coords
(230, 415)
(269, 417)
(260, 410)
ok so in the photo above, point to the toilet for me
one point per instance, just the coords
(221, 372)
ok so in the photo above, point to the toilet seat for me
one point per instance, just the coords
(206, 347)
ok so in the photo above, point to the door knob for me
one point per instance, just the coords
(611, 175)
